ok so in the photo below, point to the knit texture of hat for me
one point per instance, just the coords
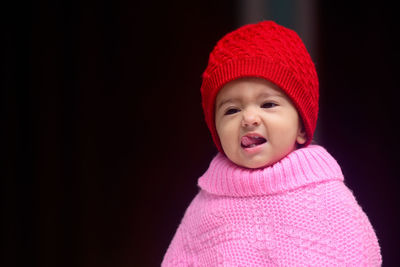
(265, 50)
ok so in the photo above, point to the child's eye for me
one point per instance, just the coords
(231, 111)
(268, 105)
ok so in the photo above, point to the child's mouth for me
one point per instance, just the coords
(249, 141)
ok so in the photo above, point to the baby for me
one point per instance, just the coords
(269, 198)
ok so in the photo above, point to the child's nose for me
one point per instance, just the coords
(250, 118)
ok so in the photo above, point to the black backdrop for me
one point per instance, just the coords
(102, 130)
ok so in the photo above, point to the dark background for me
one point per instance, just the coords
(102, 132)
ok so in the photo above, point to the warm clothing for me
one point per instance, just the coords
(297, 212)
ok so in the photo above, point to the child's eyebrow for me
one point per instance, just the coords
(223, 102)
(263, 95)
(277, 93)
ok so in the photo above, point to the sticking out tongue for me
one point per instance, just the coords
(252, 141)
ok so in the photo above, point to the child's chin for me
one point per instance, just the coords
(254, 164)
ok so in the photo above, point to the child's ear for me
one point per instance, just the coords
(301, 136)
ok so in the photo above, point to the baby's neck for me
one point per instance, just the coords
(301, 167)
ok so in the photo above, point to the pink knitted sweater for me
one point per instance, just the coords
(297, 212)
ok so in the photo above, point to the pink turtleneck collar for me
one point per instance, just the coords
(304, 166)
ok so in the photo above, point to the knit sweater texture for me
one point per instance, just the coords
(297, 212)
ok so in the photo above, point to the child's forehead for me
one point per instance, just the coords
(250, 85)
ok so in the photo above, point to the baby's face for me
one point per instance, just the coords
(256, 122)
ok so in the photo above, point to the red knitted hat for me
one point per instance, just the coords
(266, 50)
